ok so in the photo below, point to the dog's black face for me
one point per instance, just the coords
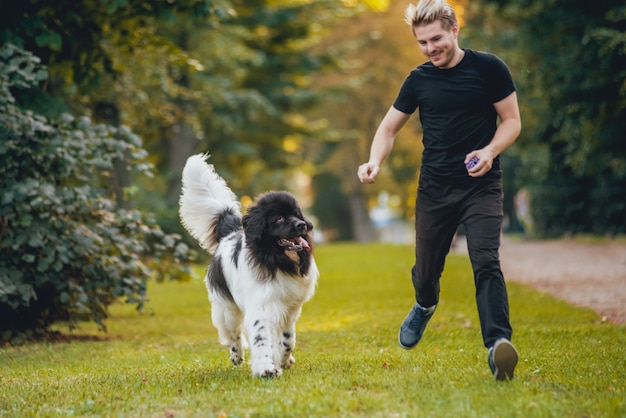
(291, 233)
(275, 225)
(276, 220)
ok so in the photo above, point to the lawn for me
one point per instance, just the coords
(167, 361)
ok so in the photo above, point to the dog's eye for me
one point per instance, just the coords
(280, 219)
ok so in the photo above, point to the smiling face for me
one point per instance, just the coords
(290, 233)
(439, 45)
(276, 221)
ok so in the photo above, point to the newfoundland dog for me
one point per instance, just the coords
(262, 270)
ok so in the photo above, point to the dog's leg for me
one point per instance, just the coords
(261, 326)
(287, 345)
(288, 339)
(227, 318)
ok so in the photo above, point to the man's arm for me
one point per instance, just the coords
(382, 144)
(507, 132)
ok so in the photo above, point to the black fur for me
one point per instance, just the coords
(227, 223)
(275, 215)
(217, 281)
(235, 256)
(271, 243)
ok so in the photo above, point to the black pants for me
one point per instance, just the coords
(477, 205)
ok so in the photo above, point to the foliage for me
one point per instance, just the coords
(348, 362)
(67, 251)
(255, 118)
(330, 207)
(66, 32)
(111, 61)
(233, 78)
(571, 58)
(379, 55)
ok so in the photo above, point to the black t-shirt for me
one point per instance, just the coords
(456, 110)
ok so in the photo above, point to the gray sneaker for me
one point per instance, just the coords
(413, 326)
(502, 359)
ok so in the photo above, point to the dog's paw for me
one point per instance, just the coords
(269, 374)
(237, 361)
(236, 356)
(265, 369)
(288, 362)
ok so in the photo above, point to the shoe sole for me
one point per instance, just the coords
(505, 359)
(406, 347)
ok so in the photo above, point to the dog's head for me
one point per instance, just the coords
(276, 220)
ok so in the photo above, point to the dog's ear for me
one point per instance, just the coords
(254, 223)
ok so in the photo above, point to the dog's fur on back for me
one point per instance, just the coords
(262, 271)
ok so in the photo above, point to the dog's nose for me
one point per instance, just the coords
(301, 225)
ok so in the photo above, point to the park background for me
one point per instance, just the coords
(102, 101)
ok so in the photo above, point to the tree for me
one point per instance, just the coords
(379, 56)
(86, 46)
(228, 77)
(573, 57)
(68, 252)
(259, 124)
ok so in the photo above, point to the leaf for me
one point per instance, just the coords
(27, 293)
(377, 5)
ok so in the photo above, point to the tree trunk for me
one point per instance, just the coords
(361, 225)
(181, 143)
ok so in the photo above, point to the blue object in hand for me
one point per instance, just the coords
(472, 163)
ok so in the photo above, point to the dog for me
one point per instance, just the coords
(262, 271)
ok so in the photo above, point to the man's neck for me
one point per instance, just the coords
(458, 56)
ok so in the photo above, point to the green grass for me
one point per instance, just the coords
(167, 362)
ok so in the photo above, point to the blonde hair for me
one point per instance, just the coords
(428, 11)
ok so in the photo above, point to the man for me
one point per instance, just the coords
(460, 94)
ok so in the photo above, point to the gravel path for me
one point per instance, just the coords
(584, 274)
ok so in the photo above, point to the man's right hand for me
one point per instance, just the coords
(367, 172)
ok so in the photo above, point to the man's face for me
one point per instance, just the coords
(438, 44)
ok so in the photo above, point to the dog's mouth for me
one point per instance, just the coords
(294, 244)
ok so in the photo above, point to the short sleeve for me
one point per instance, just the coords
(500, 83)
(406, 101)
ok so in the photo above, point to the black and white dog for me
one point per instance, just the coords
(262, 271)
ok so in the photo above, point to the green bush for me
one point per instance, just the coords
(561, 206)
(66, 251)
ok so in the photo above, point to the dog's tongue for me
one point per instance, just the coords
(304, 243)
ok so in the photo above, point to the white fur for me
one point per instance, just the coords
(204, 196)
(264, 310)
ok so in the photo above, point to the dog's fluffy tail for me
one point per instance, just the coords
(209, 210)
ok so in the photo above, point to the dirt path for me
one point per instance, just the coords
(584, 274)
